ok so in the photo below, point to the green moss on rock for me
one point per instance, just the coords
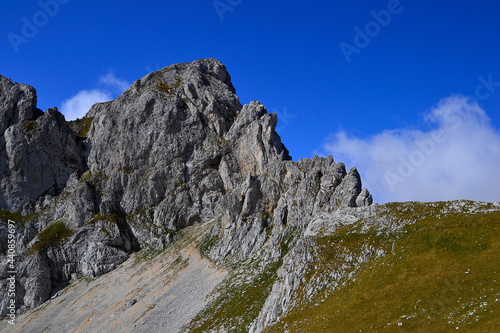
(29, 125)
(83, 127)
(52, 236)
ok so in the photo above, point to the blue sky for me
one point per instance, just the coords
(416, 64)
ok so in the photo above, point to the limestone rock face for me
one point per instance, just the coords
(38, 151)
(40, 156)
(17, 103)
(176, 149)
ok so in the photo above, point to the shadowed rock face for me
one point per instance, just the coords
(38, 152)
(176, 149)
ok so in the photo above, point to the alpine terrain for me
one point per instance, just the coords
(174, 208)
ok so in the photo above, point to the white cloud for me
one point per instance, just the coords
(458, 158)
(78, 105)
(110, 79)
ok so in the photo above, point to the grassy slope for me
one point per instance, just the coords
(238, 304)
(243, 293)
(439, 273)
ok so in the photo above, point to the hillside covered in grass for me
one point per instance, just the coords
(438, 273)
(399, 267)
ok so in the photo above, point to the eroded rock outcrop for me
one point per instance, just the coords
(176, 149)
(38, 152)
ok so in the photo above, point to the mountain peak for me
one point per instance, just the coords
(174, 150)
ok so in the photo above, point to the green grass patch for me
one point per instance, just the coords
(98, 217)
(147, 254)
(243, 293)
(207, 242)
(52, 236)
(14, 216)
(17, 217)
(83, 127)
(29, 125)
(86, 177)
(439, 273)
(239, 304)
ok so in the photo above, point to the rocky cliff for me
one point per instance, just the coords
(176, 209)
(175, 150)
